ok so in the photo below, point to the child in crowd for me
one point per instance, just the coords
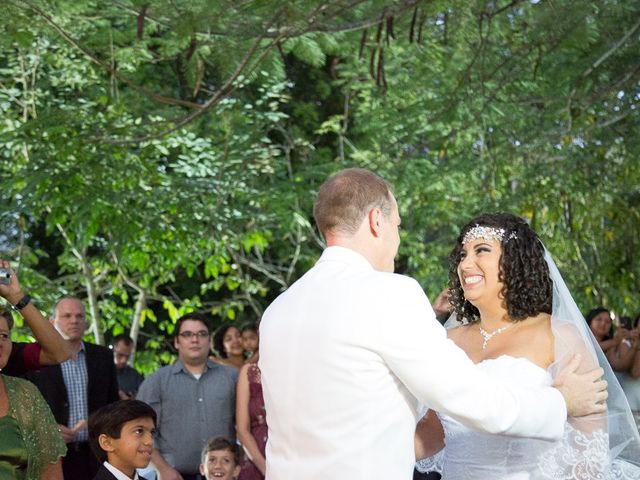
(220, 459)
(250, 341)
(121, 436)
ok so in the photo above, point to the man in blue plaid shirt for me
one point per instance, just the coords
(77, 387)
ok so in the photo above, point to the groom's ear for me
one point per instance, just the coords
(375, 221)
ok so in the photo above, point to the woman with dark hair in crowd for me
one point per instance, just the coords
(601, 325)
(619, 348)
(227, 343)
(251, 422)
(251, 419)
(250, 341)
(517, 321)
(30, 441)
(635, 367)
(630, 377)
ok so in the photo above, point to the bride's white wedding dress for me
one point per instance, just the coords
(602, 447)
(475, 455)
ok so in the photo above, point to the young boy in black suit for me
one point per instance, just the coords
(121, 436)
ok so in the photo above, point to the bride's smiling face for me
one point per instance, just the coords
(479, 271)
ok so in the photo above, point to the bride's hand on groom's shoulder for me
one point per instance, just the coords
(584, 393)
(441, 305)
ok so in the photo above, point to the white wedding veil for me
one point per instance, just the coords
(574, 336)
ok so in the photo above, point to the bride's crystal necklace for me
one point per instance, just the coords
(488, 336)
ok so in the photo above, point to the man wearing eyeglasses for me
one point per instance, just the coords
(194, 399)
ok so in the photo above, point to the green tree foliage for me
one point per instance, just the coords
(163, 157)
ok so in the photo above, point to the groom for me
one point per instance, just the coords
(349, 349)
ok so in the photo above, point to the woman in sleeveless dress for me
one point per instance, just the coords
(517, 321)
(251, 422)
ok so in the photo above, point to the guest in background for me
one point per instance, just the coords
(129, 379)
(76, 388)
(601, 325)
(50, 348)
(618, 351)
(121, 436)
(194, 399)
(441, 306)
(227, 342)
(30, 443)
(630, 379)
(250, 341)
(220, 459)
(251, 422)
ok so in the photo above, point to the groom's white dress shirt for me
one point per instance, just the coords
(347, 353)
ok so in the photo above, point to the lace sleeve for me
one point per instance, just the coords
(431, 464)
(39, 429)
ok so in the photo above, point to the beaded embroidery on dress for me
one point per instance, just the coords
(38, 427)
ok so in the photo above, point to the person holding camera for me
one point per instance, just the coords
(50, 348)
(30, 442)
(620, 347)
(630, 378)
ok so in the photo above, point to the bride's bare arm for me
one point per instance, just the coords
(571, 343)
(429, 438)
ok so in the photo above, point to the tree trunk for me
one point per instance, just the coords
(141, 304)
(92, 298)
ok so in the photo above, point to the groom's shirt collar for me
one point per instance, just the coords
(345, 255)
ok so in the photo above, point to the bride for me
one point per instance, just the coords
(518, 322)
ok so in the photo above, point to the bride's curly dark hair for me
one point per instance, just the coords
(527, 289)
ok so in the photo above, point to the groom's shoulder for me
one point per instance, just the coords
(396, 281)
(394, 277)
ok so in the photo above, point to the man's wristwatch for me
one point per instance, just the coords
(23, 302)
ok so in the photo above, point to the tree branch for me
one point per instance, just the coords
(612, 50)
(222, 92)
(107, 67)
(92, 292)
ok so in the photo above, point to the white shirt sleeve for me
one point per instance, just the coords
(438, 373)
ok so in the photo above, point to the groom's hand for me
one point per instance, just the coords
(585, 393)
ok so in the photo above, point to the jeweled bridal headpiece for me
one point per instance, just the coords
(487, 233)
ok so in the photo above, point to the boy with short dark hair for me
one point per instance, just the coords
(121, 436)
(220, 459)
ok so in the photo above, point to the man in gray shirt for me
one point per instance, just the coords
(194, 399)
